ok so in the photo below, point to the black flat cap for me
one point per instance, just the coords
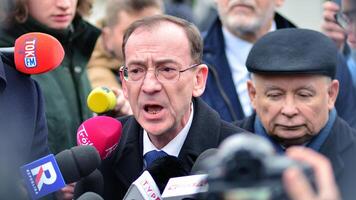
(293, 51)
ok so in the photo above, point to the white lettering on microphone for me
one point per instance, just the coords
(30, 56)
(149, 191)
(83, 137)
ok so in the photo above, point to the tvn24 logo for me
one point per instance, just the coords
(42, 176)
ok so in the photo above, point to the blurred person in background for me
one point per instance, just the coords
(66, 88)
(107, 56)
(23, 127)
(339, 25)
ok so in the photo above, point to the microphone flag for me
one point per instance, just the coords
(42, 176)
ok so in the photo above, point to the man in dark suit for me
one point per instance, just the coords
(293, 92)
(23, 128)
(162, 78)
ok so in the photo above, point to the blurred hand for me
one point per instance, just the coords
(297, 185)
(122, 105)
(66, 193)
(329, 25)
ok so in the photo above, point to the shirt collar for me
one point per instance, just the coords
(174, 146)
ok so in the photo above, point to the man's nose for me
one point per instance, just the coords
(150, 82)
(64, 4)
(289, 107)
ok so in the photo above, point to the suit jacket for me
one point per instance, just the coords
(126, 163)
(220, 92)
(339, 148)
(23, 128)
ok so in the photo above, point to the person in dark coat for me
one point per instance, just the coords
(162, 78)
(293, 92)
(226, 46)
(23, 127)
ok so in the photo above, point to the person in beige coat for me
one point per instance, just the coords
(107, 57)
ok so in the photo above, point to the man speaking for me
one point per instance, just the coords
(162, 78)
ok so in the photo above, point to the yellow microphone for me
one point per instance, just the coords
(101, 100)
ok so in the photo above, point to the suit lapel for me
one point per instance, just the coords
(203, 134)
(130, 154)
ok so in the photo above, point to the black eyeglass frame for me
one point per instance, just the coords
(123, 68)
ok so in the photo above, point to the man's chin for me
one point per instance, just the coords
(292, 141)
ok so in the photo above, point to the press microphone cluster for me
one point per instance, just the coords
(103, 133)
(35, 53)
(51, 173)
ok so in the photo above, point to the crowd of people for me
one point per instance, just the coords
(180, 91)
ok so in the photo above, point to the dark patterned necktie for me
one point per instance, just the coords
(152, 156)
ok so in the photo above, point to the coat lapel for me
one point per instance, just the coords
(203, 134)
(336, 146)
(130, 153)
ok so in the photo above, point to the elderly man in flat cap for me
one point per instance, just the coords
(293, 91)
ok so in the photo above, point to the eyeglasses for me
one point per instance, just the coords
(164, 74)
(346, 19)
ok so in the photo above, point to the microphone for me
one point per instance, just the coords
(90, 196)
(165, 168)
(51, 173)
(94, 182)
(187, 187)
(77, 162)
(35, 53)
(101, 100)
(154, 179)
(201, 163)
(143, 188)
(102, 132)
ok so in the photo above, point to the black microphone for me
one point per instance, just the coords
(77, 162)
(94, 182)
(50, 173)
(165, 168)
(202, 162)
(90, 196)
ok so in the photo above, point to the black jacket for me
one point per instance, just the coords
(126, 163)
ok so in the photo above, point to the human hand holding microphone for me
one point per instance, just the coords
(110, 102)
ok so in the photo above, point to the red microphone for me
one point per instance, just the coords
(36, 53)
(102, 132)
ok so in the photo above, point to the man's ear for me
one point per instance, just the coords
(200, 78)
(251, 92)
(333, 91)
(105, 35)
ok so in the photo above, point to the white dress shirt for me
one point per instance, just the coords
(174, 146)
(236, 51)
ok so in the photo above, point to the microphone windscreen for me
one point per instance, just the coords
(77, 162)
(102, 132)
(165, 168)
(101, 100)
(37, 53)
(94, 182)
(201, 164)
(90, 196)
